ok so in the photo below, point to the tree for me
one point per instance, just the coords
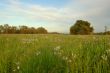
(32, 30)
(13, 29)
(1, 29)
(6, 28)
(41, 30)
(81, 27)
(24, 29)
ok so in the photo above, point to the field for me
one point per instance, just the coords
(54, 54)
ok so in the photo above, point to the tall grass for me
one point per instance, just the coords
(54, 54)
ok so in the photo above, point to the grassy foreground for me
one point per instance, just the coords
(54, 54)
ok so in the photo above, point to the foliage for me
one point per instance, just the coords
(41, 30)
(81, 27)
(102, 33)
(6, 29)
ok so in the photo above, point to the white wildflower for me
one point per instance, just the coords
(18, 67)
(55, 53)
(72, 54)
(69, 61)
(108, 51)
(38, 53)
(57, 48)
(65, 58)
(29, 40)
(104, 57)
(17, 63)
(59, 53)
(14, 70)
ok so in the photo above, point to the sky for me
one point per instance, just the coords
(55, 15)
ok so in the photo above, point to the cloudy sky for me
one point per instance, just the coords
(55, 15)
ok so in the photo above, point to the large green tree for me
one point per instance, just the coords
(41, 30)
(81, 27)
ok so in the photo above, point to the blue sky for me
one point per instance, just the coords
(55, 15)
(55, 3)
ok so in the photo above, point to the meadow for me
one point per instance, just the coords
(47, 53)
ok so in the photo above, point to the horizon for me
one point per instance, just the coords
(55, 15)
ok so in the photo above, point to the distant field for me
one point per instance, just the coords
(54, 54)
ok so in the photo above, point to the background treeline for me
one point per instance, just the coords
(80, 27)
(102, 33)
(7, 29)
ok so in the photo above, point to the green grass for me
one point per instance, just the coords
(54, 54)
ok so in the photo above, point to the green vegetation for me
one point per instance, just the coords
(81, 27)
(54, 54)
(7, 29)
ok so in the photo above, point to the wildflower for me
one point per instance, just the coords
(57, 48)
(28, 40)
(14, 70)
(55, 53)
(72, 54)
(18, 67)
(38, 53)
(17, 63)
(59, 53)
(69, 61)
(65, 58)
(104, 57)
(108, 51)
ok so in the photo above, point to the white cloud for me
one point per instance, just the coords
(95, 11)
(55, 18)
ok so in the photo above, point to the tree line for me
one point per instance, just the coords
(80, 27)
(7, 29)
